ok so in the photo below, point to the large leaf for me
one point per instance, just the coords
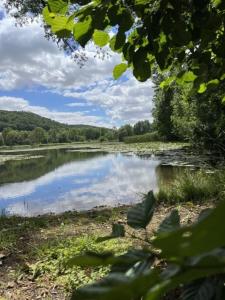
(92, 259)
(118, 286)
(61, 27)
(141, 214)
(58, 6)
(141, 64)
(117, 42)
(170, 223)
(83, 31)
(46, 14)
(125, 19)
(119, 70)
(201, 237)
(134, 261)
(120, 263)
(203, 289)
(101, 38)
(196, 268)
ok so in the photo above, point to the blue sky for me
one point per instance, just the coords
(36, 76)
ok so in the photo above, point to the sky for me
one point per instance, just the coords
(36, 76)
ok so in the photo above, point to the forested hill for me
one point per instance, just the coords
(20, 120)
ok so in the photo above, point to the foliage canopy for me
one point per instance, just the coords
(181, 33)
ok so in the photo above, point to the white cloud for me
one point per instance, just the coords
(29, 60)
(78, 104)
(125, 101)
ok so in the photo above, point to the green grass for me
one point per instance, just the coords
(193, 187)
(52, 259)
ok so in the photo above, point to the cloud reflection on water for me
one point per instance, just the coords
(105, 180)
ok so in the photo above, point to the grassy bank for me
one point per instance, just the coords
(34, 251)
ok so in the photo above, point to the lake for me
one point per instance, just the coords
(54, 181)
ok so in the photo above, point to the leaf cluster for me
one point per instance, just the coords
(167, 33)
(191, 258)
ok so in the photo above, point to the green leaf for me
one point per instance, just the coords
(140, 215)
(125, 20)
(132, 258)
(213, 82)
(61, 27)
(202, 88)
(128, 52)
(119, 70)
(170, 223)
(189, 76)
(222, 77)
(83, 31)
(186, 77)
(196, 239)
(199, 290)
(47, 16)
(122, 262)
(216, 2)
(142, 66)
(167, 81)
(118, 230)
(58, 6)
(118, 286)
(92, 259)
(188, 275)
(100, 38)
(117, 42)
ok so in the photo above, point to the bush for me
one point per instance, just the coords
(148, 137)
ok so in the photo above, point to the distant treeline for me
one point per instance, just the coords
(41, 130)
(10, 137)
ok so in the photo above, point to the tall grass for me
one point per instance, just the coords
(194, 187)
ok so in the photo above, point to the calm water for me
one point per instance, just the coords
(62, 180)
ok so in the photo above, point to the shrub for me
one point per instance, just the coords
(148, 137)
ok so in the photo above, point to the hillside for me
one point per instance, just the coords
(21, 120)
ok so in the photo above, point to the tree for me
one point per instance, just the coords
(63, 136)
(142, 127)
(1, 139)
(10, 136)
(92, 133)
(125, 131)
(38, 136)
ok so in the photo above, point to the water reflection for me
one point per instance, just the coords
(62, 181)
